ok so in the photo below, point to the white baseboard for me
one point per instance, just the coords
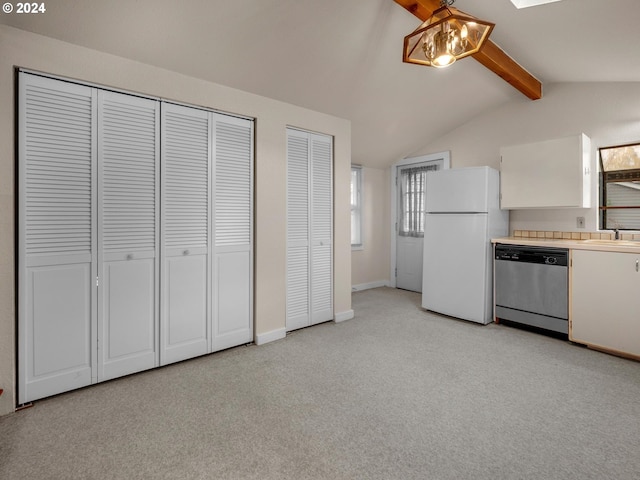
(367, 286)
(342, 316)
(271, 336)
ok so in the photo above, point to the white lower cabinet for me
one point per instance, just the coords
(135, 234)
(605, 301)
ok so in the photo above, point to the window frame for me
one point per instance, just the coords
(607, 177)
(412, 199)
(356, 207)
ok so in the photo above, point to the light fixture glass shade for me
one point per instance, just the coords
(446, 36)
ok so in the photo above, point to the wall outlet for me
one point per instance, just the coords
(580, 222)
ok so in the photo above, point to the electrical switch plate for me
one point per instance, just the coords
(580, 222)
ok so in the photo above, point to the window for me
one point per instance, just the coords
(620, 187)
(356, 206)
(412, 185)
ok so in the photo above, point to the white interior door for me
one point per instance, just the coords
(91, 236)
(233, 220)
(298, 205)
(410, 182)
(57, 237)
(309, 229)
(321, 229)
(186, 232)
(128, 182)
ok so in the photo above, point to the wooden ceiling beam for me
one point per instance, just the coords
(491, 56)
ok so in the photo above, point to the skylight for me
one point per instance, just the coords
(530, 3)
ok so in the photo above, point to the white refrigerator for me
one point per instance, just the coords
(462, 214)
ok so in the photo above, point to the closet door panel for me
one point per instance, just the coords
(185, 301)
(321, 288)
(321, 229)
(233, 304)
(56, 236)
(60, 332)
(128, 146)
(309, 229)
(297, 288)
(297, 310)
(186, 233)
(58, 352)
(128, 328)
(233, 220)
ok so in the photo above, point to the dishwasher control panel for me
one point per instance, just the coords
(532, 254)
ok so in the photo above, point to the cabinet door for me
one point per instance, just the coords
(548, 174)
(233, 221)
(56, 228)
(606, 300)
(185, 271)
(128, 145)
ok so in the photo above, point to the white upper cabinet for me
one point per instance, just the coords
(549, 174)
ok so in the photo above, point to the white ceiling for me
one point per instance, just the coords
(344, 57)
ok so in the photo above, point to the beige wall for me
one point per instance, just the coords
(608, 113)
(370, 266)
(22, 49)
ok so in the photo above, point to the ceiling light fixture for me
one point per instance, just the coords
(447, 35)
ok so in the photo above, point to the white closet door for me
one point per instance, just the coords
(297, 312)
(309, 229)
(185, 272)
(128, 146)
(56, 237)
(321, 229)
(233, 220)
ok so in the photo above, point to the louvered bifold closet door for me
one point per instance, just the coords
(185, 271)
(321, 228)
(128, 182)
(233, 225)
(297, 310)
(57, 235)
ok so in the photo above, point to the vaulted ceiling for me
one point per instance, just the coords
(344, 57)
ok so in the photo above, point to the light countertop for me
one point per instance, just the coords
(623, 246)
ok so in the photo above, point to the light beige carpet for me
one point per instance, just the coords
(395, 393)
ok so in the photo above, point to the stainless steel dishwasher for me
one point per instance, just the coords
(532, 286)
